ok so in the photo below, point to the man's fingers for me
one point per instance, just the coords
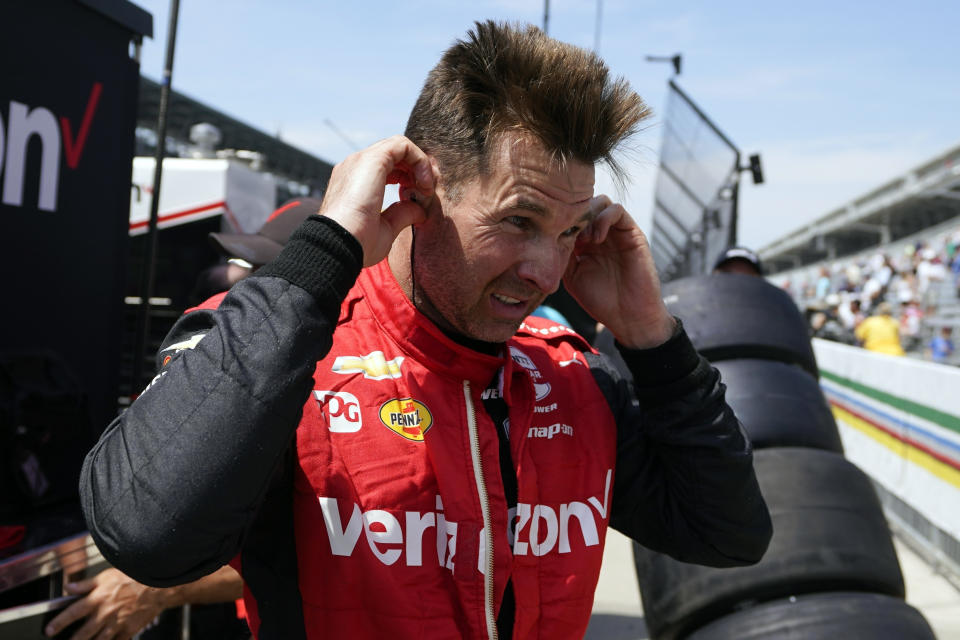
(411, 158)
(599, 202)
(81, 587)
(401, 215)
(79, 609)
(89, 628)
(607, 214)
(112, 633)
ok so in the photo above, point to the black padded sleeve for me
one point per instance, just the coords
(175, 481)
(684, 481)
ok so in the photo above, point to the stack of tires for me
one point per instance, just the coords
(831, 570)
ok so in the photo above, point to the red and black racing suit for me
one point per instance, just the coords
(330, 466)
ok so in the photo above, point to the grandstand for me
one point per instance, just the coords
(906, 206)
(897, 243)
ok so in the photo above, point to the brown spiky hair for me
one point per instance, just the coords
(505, 78)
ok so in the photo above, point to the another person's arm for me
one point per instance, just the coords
(118, 607)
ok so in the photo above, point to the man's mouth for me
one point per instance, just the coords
(507, 299)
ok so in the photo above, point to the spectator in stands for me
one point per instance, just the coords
(872, 293)
(854, 276)
(824, 324)
(849, 314)
(941, 347)
(880, 332)
(955, 272)
(904, 286)
(930, 269)
(823, 284)
(738, 260)
(910, 316)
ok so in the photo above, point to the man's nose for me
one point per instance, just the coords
(542, 265)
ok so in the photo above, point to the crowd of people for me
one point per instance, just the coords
(902, 302)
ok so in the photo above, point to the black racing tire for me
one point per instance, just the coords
(829, 534)
(731, 316)
(779, 404)
(825, 616)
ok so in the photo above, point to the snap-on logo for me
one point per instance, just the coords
(406, 417)
(549, 432)
(25, 123)
(374, 366)
(341, 410)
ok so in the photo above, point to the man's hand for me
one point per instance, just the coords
(354, 195)
(114, 605)
(117, 606)
(612, 275)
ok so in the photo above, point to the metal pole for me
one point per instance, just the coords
(546, 16)
(732, 238)
(149, 259)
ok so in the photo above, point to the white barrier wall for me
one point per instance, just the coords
(899, 419)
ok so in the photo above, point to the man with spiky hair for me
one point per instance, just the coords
(375, 433)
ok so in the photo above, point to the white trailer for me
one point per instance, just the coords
(197, 188)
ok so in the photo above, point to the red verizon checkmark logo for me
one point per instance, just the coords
(73, 148)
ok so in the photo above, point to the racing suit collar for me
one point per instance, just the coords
(419, 336)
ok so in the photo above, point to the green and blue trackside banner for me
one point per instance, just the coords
(899, 419)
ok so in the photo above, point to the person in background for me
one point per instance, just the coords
(823, 284)
(911, 317)
(115, 606)
(250, 251)
(941, 346)
(880, 332)
(738, 260)
(849, 313)
(246, 252)
(824, 322)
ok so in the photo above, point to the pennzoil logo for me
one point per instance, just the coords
(374, 366)
(406, 417)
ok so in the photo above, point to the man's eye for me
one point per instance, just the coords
(518, 221)
(572, 232)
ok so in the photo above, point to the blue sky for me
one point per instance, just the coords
(837, 97)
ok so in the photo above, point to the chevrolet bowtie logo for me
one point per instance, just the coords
(374, 366)
(190, 343)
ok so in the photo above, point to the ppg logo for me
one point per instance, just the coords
(341, 410)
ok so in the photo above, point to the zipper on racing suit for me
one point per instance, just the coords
(485, 510)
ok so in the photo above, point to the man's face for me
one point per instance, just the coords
(484, 262)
